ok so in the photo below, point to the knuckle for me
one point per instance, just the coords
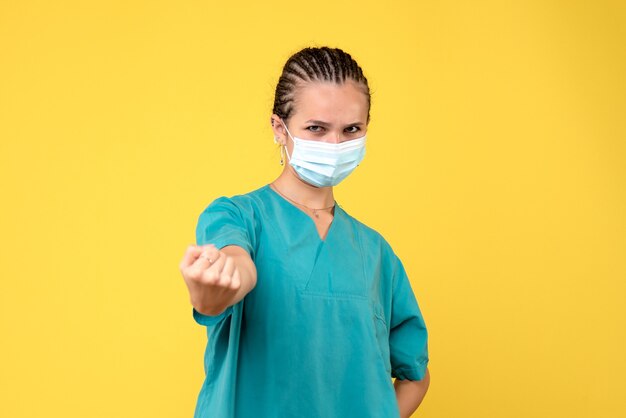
(212, 276)
(192, 274)
(197, 271)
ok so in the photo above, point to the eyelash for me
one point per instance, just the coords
(320, 130)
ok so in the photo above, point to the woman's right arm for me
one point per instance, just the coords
(215, 286)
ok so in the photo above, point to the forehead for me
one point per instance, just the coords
(330, 102)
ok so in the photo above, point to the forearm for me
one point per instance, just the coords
(410, 393)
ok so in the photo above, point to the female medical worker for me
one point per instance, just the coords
(309, 313)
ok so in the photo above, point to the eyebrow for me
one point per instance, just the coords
(319, 122)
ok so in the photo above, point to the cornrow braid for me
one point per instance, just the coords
(316, 64)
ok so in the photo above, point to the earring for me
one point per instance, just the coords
(276, 140)
(282, 156)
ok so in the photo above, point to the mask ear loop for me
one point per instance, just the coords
(285, 146)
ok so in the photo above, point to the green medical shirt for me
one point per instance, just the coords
(327, 326)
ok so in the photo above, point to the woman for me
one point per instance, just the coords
(309, 313)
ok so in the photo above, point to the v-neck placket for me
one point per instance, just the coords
(310, 220)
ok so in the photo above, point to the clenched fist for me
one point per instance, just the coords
(213, 277)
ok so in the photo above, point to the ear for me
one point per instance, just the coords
(280, 134)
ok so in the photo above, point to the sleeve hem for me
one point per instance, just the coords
(410, 373)
(237, 239)
(208, 320)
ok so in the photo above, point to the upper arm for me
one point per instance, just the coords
(223, 224)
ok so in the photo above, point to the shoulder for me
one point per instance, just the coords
(242, 211)
(230, 220)
(239, 204)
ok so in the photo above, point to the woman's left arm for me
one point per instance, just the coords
(409, 394)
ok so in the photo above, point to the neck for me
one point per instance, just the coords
(302, 192)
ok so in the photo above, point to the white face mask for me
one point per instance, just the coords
(325, 164)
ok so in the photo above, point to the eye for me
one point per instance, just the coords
(314, 128)
(353, 129)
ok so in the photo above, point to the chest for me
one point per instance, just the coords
(293, 260)
(322, 224)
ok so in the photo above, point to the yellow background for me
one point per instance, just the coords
(496, 168)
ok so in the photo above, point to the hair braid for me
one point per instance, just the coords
(316, 64)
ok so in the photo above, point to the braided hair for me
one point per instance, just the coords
(316, 64)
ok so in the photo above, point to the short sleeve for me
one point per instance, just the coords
(209, 320)
(408, 336)
(222, 223)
